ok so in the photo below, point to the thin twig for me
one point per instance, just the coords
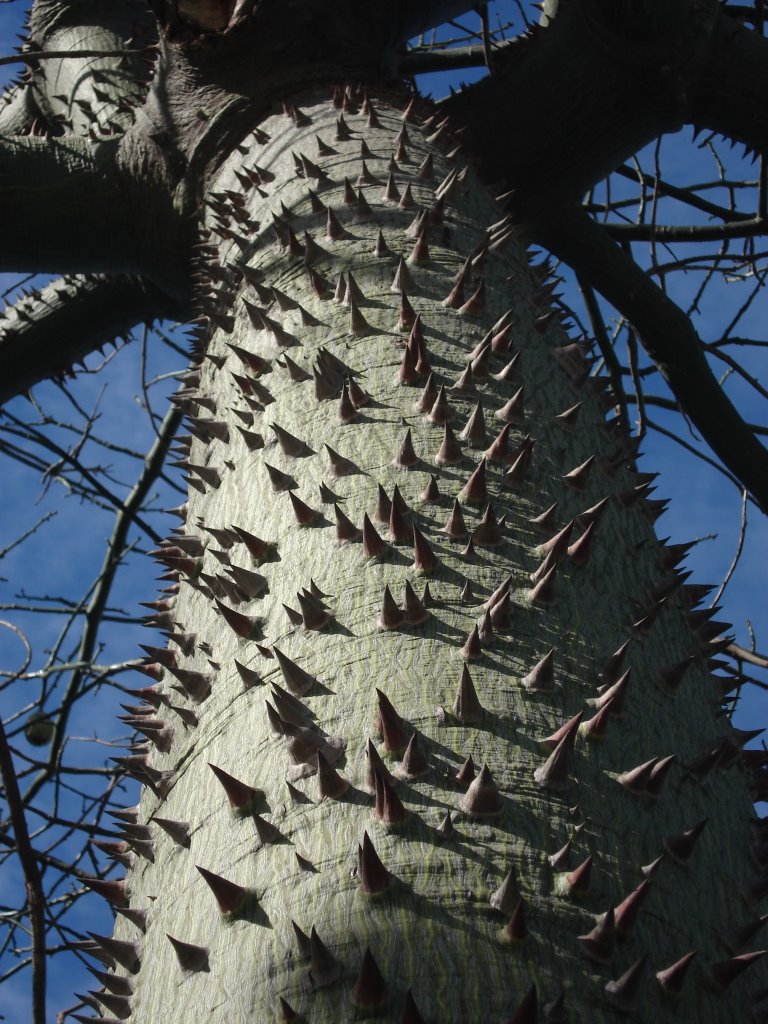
(27, 533)
(487, 53)
(743, 654)
(30, 57)
(115, 547)
(606, 349)
(632, 358)
(739, 549)
(32, 880)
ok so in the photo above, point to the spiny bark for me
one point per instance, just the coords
(65, 320)
(319, 867)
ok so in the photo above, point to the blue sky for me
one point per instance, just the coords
(64, 557)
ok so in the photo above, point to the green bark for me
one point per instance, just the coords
(434, 930)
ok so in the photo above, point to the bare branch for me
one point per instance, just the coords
(125, 516)
(739, 548)
(32, 880)
(27, 533)
(417, 16)
(584, 93)
(606, 350)
(752, 228)
(667, 335)
(684, 195)
(671, 406)
(752, 657)
(730, 98)
(33, 57)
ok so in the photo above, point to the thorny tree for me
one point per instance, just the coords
(177, 167)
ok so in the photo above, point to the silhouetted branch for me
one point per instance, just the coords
(44, 333)
(33, 57)
(667, 336)
(32, 880)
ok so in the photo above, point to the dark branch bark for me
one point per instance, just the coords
(687, 232)
(671, 406)
(45, 333)
(667, 335)
(60, 207)
(731, 95)
(421, 61)
(35, 57)
(685, 195)
(67, 207)
(574, 100)
(29, 866)
(416, 16)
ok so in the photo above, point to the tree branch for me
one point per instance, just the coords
(65, 89)
(730, 98)
(671, 406)
(666, 333)
(419, 60)
(125, 517)
(35, 56)
(684, 195)
(752, 228)
(17, 112)
(68, 206)
(32, 879)
(572, 101)
(43, 334)
(53, 196)
(742, 654)
(417, 16)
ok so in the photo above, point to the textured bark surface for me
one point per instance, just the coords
(434, 930)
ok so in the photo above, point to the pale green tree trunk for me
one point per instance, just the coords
(434, 930)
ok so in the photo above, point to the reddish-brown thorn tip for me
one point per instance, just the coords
(507, 896)
(541, 678)
(391, 725)
(424, 558)
(229, 896)
(374, 877)
(414, 608)
(390, 616)
(472, 649)
(624, 991)
(389, 808)
(475, 490)
(296, 679)
(241, 796)
(482, 797)
(371, 990)
(467, 707)
(325, 969)
(414, 763)
(599, 942)
(331, 785)
(555, 772)
(373, 545)
(680, 847)
(528, 1010)
(672, 978)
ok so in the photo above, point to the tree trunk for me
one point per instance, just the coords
(315, 393)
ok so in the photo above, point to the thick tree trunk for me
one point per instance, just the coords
(271, 448)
